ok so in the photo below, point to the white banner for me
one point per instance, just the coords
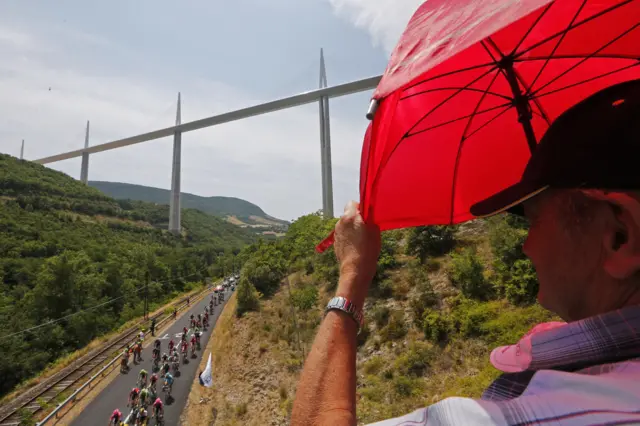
(206, 378)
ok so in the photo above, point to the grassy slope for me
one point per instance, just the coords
(397, 372)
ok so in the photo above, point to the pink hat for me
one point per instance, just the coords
(517, 358)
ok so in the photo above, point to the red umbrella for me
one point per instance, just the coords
(471, 87)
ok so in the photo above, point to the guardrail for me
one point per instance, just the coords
(72, 398)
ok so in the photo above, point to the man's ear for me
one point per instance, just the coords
(622, 239)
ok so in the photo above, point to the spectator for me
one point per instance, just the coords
(581, 194)
(153, 327)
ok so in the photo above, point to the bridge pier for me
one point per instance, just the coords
(325, 145)
(84, 168)
(22, 150)
(174, 202)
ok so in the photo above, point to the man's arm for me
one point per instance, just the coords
(326, 392)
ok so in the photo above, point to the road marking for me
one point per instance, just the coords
(165, 337)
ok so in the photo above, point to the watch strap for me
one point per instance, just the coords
(345, 305)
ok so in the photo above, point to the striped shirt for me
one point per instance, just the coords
(582, 373)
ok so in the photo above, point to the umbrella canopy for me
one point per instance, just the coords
(471, 87)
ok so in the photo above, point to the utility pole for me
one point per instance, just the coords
(22, 150)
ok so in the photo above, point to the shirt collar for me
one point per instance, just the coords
(610, 337)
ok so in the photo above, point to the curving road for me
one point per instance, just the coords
(115, 395)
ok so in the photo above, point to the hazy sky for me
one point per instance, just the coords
(121, 63)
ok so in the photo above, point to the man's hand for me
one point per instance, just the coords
(357, 247)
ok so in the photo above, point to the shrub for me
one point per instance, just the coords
(435, 326)
(471, 317)
(374, 365)
(427, 241)
(265, 268)
(363, 335)
(305, 298)
(382, 289)
(241, 409)
(248, 297)
(395, 329)
(400, 289)
(380, 316)
(425, 298)
(516, 277)
(416, 359)
(467, 274)
(282, 390)
(405, 386)
(293, 364)
(387, 260)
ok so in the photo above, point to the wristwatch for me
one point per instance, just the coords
(345, 305)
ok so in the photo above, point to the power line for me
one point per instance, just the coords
(51, 322)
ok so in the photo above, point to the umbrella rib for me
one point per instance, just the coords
(586, 20)
(588, 80)
(470, 89)
(544, 12)
(560, 39)
(578, 56)
(489, 121)
(448, 99)
(475, 110)
(585, 59)
(463, 140)
(408, 135)
(447, 74)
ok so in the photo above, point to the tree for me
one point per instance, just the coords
(424, 241)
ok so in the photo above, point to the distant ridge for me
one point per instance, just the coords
(225, 207)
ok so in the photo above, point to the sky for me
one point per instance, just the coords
(120, 64)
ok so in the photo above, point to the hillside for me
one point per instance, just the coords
(243, 212)
(66, 247)
(442, 298)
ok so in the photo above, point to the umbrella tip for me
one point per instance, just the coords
(373, 107)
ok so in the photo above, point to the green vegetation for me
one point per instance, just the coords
(217, 206)
(66, 247)
(442, 298)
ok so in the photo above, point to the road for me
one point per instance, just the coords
(115, 395)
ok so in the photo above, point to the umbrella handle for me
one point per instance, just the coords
(326, 243)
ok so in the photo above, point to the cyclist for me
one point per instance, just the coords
(133, 397)
(116, 418)
(152, 383)
(144, 397)
(206, 310)
(175, 361)
(142, 378)
(168, 384)
(137, 352)
(172, 344)
(124, 364)
(165, 365)
(197, 336)
(185, 330)
(158, 409)
(193, 343)
(142, 417)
